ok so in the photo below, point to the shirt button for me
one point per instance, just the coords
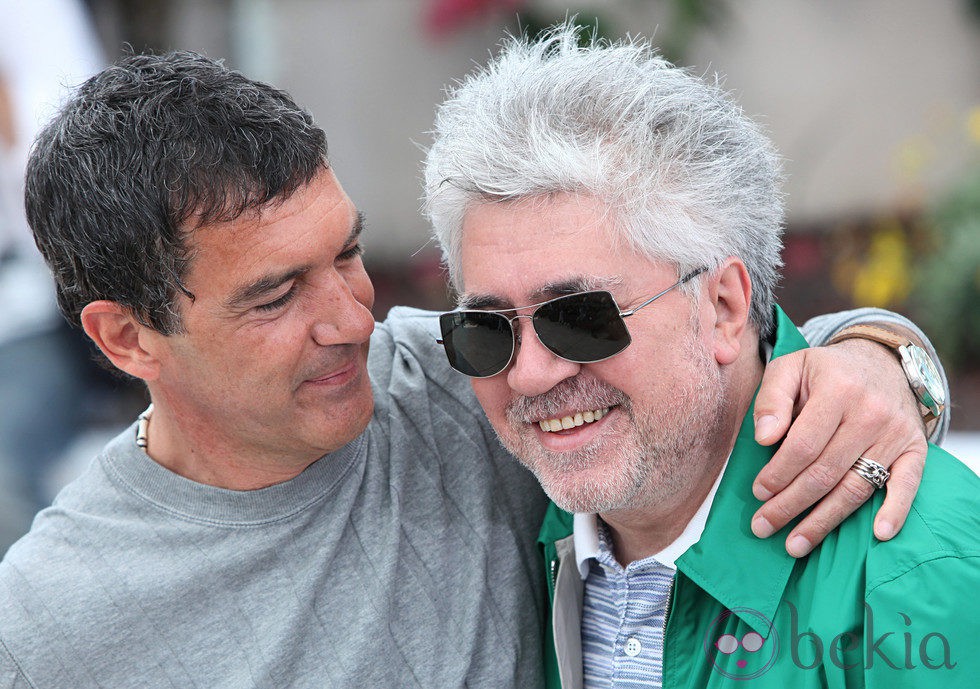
(633, 647)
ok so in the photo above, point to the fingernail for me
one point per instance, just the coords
(761, 492)
(765, 426)
(884, 530)
(761, 527)
(798, 546)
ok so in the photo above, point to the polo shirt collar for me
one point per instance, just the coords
(586, 534)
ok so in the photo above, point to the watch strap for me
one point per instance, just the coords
(875, 333)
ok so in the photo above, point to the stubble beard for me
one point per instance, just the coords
(656, 461)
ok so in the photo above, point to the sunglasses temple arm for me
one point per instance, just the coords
(686, 278)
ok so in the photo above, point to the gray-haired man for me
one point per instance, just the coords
(613, 225)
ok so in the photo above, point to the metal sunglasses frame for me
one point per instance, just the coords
(514, 336)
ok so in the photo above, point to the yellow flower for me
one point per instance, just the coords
(884, 279)
(973, 125)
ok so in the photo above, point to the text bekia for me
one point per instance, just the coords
(931, 651)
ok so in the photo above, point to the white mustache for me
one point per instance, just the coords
(577, 393)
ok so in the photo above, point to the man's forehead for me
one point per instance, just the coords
(236, 212)
(242, 259)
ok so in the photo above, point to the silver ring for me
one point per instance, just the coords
(871, 471)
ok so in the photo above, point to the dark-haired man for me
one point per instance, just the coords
(294, 510)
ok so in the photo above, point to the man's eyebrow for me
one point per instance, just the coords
(356, 229)
(574, 285)
(481, 302)
(560, 288)
(269, 283)
(264, 285)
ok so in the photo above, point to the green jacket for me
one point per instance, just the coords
(854, 613)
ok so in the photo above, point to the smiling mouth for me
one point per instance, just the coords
(565, 423)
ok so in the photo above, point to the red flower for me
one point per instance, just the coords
(445, 16)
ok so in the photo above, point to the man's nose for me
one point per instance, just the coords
(343, 313)
(535, 368)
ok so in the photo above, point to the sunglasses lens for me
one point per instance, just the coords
(582, 327)
(477, 343)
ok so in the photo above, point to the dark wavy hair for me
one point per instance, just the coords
(146, 150)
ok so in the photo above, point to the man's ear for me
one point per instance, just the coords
(730, 294)
(116, 332)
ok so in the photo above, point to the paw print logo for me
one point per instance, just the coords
(738, 651)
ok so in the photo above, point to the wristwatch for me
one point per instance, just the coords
(923, 377)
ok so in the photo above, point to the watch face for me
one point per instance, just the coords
(928, 377)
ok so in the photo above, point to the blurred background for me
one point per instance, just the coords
(874, 104)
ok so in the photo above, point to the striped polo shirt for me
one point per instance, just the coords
(624, 608)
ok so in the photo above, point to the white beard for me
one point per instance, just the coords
(660, 457)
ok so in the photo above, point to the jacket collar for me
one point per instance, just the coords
(735, 567)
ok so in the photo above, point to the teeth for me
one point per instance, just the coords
(566, 422)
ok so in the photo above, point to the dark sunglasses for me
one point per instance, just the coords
(582, 328)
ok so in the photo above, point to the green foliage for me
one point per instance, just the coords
(534, 23)
(689, 17)
(948, 282)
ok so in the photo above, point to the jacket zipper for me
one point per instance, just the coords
(663, 631)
